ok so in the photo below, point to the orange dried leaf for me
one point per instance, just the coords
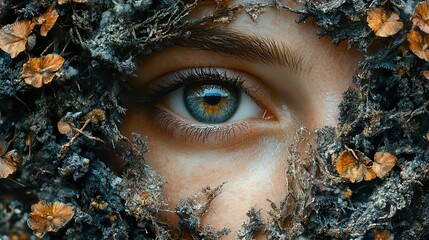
(47, 20)
(348, 193)
(346, 161)
(111, 217)
(14, 37)
(8, 163)
(425, 74)
(49, 217)
(382, 235)
(67, 1)
(382, 23)
(384, 162)
(19, 236)
(64, 128)
(28, 140)
(353, 169)
(421, 19)
(369, 174)
(39, 71)
(419, 44)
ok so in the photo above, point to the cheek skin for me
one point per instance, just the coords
(253, 172)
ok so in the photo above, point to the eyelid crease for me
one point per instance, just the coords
(248, 47)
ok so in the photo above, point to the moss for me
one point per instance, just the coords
(101, 40)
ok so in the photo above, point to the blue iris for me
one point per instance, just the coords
(211, 103)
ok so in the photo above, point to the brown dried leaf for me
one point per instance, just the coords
(382, 23)
(3, 147)
(39, 71)
(64, 127)
(99, 204)
(419, 44)
(96, 116)
(346, 161)
(369, 174)
(13, 37)
(8, 163)
(348, 193)
(353, 169)
(19, 236)
(425, 74)
(421, 19)
(67, 1)
(384, 162)
(49, 217)
(47, 20)
(382, 235)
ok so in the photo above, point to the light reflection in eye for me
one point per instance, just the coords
(212, 103)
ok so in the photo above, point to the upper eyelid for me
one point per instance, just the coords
(157, 88)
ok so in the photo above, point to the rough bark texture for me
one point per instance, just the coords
(101, 40)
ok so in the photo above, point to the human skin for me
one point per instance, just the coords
(251, 162)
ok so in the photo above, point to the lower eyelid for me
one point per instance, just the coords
(226, 134)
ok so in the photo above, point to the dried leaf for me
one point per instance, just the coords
(421, 19)
(384, 162)
(353, 169)
(383, 24)
(39, 71)
(100, 205)
(47, 20)
(419, 44)
(96, 116)
(8, 163)
(425, 74)
(19, 236)
(64, 127)
(49, 217)
(348, 193)
(111, 217)
(13, 37)
(346, 161)
(382, 235)
(3, 147)
(67, 1)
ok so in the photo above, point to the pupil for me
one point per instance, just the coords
(212, 99)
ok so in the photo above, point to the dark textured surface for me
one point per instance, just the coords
(100, 40)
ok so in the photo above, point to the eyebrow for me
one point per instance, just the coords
(247, 47)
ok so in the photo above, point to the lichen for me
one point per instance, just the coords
(388, 110)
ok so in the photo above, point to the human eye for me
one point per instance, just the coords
(207, 104)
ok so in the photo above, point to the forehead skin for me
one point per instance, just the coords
(330, 66)
(253, 169)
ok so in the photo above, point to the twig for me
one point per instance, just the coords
(23, 103)
(80, 132)
(16, 182)
(88, 136)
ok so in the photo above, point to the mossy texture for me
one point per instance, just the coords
(101, 42)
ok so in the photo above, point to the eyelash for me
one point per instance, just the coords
(155, 92)
(174, 125)
(189, 132)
